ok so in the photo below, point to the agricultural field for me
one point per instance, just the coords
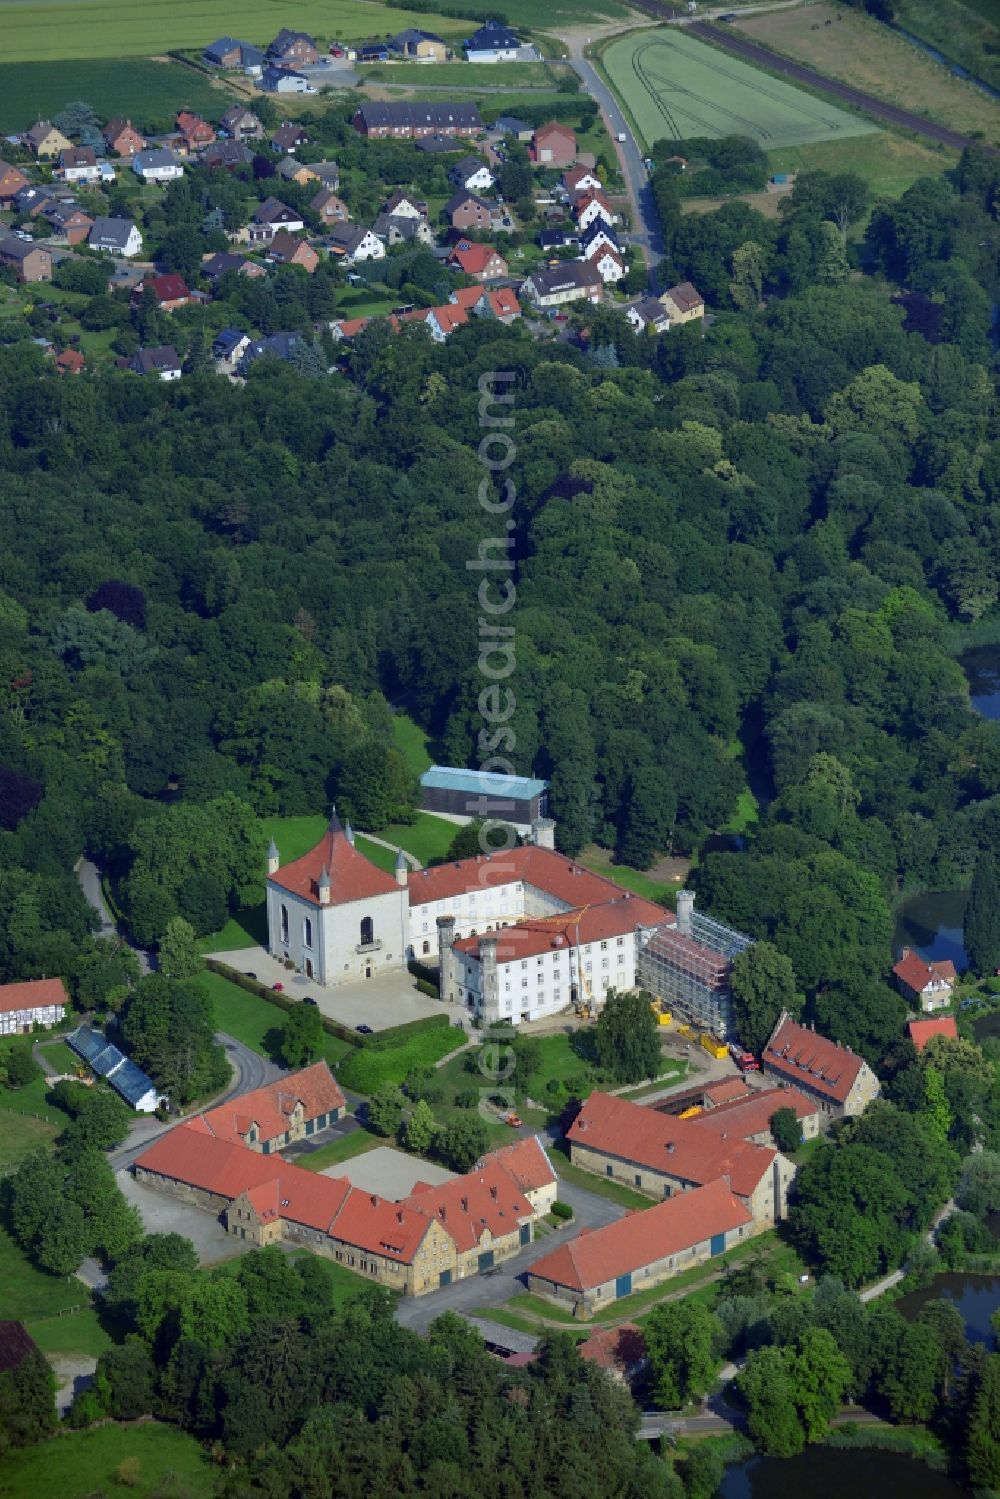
(676, 86)
(144, 1461)
(67, 29)
(889, 163)
(148, 92)
(855, 48)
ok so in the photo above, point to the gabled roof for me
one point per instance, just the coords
(614, 1348)
(752, 1115)
(284, 246)
(273, 211)
(168, 288)
(554, 127)
(271, 1107)
(569, 275)
(493, 36)
(461, 198)
(801, 1056)
(485, 1200)
(19, 249)
(526, 1161)
(543, 868)
(32, 994)
(921, 1031)
(352, 876)
(917, 973)
(474, 259)
(77, 156)
(155, 361)
(155, 157)
(599, 1256)
(111, 233)
(676, 1147)
(289, 134)
(685, 296)
(593, 923)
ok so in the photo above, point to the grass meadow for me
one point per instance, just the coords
(148, 92)
(676, 86)
(147, 1460)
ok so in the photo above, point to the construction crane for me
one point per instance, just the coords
(567, 923)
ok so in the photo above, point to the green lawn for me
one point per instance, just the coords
(889, 163)
(148, 92)
(32, 1098)
(603, 1186)
(254, 1021)
(246, 929)
(358, 1142)
(674, 1071)
(462, 75)
(59, 1056)
(453, 1078)
(295, 836)
(75, 1333)
(368, 1069)
(27, 1294)
(601, 861)
(344, 1283)
(411, 741)
(84, 1464)
(19, 1136)
(426, 838)
(676, 86)
(114, 28)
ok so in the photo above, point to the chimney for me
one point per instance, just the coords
(543, 832)
(273, 857)
(685, 909)
(402, 870)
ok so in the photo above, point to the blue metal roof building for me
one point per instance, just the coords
(128, 1080)
(453, 792)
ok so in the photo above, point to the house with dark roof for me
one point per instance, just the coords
(115, 237)
(30, 262)
(79, 164)
(636, 1253)
(398, 121)
(225, 260)
(927, 984)
(468, 211)
(292, 49)
(162, 361)
(231, 55)
(241, 124)
(270, 216)
(68, 220)
(227, 155)
(128, 1080)
(45, 141)
(229, 346)
(157, 165)
(683, 302)
(840, 1082)
(472, 174)
(330, 208)
(493, 42)
(400, 230)
(289, 137)
(353, 242)
(288, 249)
(419, 46)
(662, 1156)
(274, 346)
(555, 286)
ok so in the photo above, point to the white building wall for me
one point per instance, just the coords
(326, 939)
(530, 988)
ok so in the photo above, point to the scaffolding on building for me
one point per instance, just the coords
(687, 965)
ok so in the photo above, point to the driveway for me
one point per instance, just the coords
(389, 1173)
(164, 1214)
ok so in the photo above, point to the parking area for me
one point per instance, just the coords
(163, 1214)
(387, 999)
(389, 1172)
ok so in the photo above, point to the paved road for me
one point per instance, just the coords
(731, 40)
(480, 1292)
(89, 877)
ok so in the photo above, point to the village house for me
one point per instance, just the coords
(419, 46)
(196, 132)
(45, 142)
(590, 207)
(291, 49)
(214, 266)
(241, 124)
(291, 170)
(229, 346)
(289, 137)
(12, 180)
(162, 361)
(555, 286)
(270, 216)
(284, 81)
(116, 237)
(466, 211)
(648, 316)
(70, 362)
(170, 291)
(505, 125)
(122, 137)
(560, 237)
(661, 1156)
(599, 234)
(330, 208)
(620, 1351)
(493, 42)
(405, 205)
(285, 249)
(640, 1251)
(30, 262)
(580, 180)
(157, 165)
(471, 174)
(607, 262)
(31, 200)
(279, 345)
(327, 173)
(481, 262)
(380, 120)
(353, 242)
(78, 164)
(839, 1081)
(922, 1031)
(393, 230)
(231, 55)
(498, 302)
(440, 322)
(68, 221)
(683, 303)
(40, 1002)
(929, 985)
(553, 145)
(227, 155)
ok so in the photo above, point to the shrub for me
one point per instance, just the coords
(431, 990)
(562, 1210)
(467, 1099)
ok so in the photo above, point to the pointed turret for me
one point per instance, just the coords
(349, 832)
(402, 869)
(273, 857)
(323, 886)
(334, 823)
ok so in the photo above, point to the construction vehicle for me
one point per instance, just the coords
(665, 1017)
(715, 1048)
(745, 1060)
(686, 1031)
(690, 1113)
(514, 1120)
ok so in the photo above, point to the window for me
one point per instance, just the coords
(284, 923)
(524, 983)
(307, 931)
(367, 930)
(604, 962)
(524, 962)
(621, 941)
(425, 947)
(604, 947)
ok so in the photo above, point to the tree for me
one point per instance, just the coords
(982, 1442)
(786, 1131)
(169, 1030)
(301, 1035)
(179, 957)
(748, 275)
(99, 1118)
(125, 1380)
(20, 1067)
(981, 923)
(762, 984)
(385, 1111)
(27, 1401)
(461, 1143)
(767, 1388)
(106, 970)
(419, 1129)
(680, 1341)
(627, 1037)
(821, 1376)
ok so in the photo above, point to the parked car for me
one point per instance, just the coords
(364, 1030)
(308, 1000)
(249, 975)
(277, 988)
(493, 1270)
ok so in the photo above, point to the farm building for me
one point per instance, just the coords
(923, 983)
(462, 795)
(35, 1002)
(841, 1082)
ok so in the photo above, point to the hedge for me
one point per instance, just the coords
(561, 1210)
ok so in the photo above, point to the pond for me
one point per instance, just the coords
(977, 1297)
(932, 924)
(982, 670)
(833, 1472)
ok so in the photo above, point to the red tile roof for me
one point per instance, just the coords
(921, 1031)
(542, 868)
(676, 1147)
(801, 1056)
(192, 1155)
(595, 1258)
(33, 994)
(305, 1197)
(621, 1347)
(613, 918)
(474, 259)
(168, 288)
(525, 1160)
(352, 876)
(504, 302)
(270, 1107)
(486, 1198)
(744, 1117)
(725, 1089)
(553, 127)
(70, 361)
(917, 974)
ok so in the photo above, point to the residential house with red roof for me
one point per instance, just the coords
(590, 207)
(661, 1156)
(620, 1351)
(12, 179)
(34, 1002)
(197, 133)
(923, 983)
(839, 1081)
(481, 262)
(170, 291)
(553, 145)
(599, 1267)
(922, 1031)
(122, 137)
(70, 362)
